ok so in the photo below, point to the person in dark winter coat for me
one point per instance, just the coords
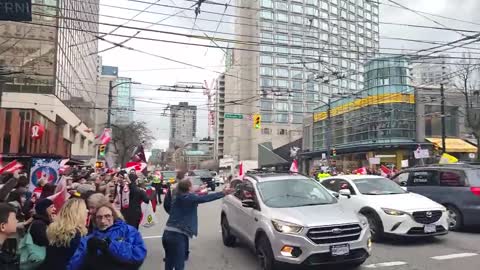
(129, 197)
(45, 211)
(114, 245)
(65, 233)
(8, 227)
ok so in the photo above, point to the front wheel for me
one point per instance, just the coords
(265, 254)
(228, 239)
(455, 221)
(376, 227)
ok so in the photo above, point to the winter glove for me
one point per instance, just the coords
(94, 244)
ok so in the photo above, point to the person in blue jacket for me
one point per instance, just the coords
(113, 245)
(182, 223)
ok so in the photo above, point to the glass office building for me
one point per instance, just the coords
(123, 102)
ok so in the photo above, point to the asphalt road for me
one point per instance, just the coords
(457, 250)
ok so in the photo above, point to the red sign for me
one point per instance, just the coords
(37, 131)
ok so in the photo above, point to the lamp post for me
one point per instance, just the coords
(110, 99)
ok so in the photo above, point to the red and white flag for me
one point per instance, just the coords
(385, 172)
(361, 171)
(11, 167)
(241, 172)
(294, 166)
(106, 136)
(135, 165)
(61, 194)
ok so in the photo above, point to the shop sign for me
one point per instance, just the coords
(37, 131)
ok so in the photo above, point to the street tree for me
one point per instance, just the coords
(467, 82)
(127, 137)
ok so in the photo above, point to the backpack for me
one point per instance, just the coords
(31, 255)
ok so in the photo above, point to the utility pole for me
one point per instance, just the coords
(444, 135)
(329, 129)
(110, 100)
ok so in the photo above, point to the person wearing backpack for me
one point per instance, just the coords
(8, 227)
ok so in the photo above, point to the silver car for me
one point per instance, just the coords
(292, 219)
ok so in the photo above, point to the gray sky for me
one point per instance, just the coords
(151, 70)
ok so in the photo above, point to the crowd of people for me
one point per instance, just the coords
(97, 226)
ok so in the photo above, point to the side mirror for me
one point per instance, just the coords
(346, 193)
(336, 195)
(248, 203)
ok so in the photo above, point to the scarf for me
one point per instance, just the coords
(122, 200)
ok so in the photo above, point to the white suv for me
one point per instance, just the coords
(292, 219)
(389, 208)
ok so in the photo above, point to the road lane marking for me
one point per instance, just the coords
(385, 264)
(152, 237)
(454, 256)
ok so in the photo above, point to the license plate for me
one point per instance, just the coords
(430, 228)
(340, 250)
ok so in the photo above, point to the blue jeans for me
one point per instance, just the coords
(176, 247)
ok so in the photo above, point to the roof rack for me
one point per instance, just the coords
(469, 165)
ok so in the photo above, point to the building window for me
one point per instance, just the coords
(266, 71)
(266, 59)
(297, 118)
(281, 72)
(282, 118)
(265, 82)
(282, 131)
(282, 83)
(266, 105)
(266, 14)
(297, 107)
(266, 131)
(281, 17)
(267, 3)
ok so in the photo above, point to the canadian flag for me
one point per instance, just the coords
(61, 194)
(11, 167)
(106, 136)
(294, 166)
(135, 165)
(362, 171)
(384, 171)
(241, 172)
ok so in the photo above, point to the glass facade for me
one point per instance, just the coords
(123, 113)
(383, 113)
(303, 38)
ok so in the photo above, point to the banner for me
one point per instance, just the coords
(44, 169)
(16, 10)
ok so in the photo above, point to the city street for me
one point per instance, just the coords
(457, 249)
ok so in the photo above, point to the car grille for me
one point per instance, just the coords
(427, 217)
(327, 258)
(421, 231)
(335, 234)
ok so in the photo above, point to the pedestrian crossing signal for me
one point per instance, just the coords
(99, 164)
(257, 121)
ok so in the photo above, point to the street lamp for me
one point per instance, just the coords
(110, 99)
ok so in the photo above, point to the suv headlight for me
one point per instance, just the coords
(393, 212)
(286, 227)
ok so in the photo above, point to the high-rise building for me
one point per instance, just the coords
(183, 124)
(107, 74)
(291, 56)
(219, 105)
(123, 103)
(432, 72)
(50, 67)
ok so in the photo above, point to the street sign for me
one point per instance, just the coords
(233, 116)
(16, 10)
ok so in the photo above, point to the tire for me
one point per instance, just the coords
(265, 254)
(376, 227)
(455, 218)
(228, 239)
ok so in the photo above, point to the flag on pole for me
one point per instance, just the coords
(448, 159)
(385, 172)
(361, 171)
(294, 166)
(11, 167)
(106, 136)
(139, 154)
(241, 172)
(135, 165)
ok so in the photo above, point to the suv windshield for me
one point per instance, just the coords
(294, 193)
(378, 186)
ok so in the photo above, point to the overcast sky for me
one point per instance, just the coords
(152, 70)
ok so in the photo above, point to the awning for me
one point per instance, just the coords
(454, 145)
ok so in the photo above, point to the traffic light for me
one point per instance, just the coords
(257, 121)
(101, 150)
(334, 152)
(99, 164)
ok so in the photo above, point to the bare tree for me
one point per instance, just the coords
(127, 137)
(467, 83)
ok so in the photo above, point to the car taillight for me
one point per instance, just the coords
(475, 190)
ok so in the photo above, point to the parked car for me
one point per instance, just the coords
(293, 220)
(457, 187)
(205, 176)
(389, 209)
